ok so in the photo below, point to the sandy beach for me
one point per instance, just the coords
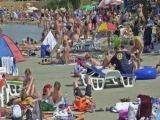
(104, 98)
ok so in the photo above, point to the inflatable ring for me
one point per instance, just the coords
(146, 73)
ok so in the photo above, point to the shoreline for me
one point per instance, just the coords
(23, 22)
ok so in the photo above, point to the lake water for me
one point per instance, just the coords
(17, 32)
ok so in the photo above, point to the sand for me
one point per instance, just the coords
(104, 98)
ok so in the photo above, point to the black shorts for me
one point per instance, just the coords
(77, 91)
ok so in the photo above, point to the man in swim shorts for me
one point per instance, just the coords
(136, 46)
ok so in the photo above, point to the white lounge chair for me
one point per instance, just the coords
(127, 80)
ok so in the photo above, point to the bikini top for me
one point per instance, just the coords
(60, 26)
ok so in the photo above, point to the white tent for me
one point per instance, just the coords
(50, 40)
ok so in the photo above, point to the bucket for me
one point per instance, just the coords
(43, 50)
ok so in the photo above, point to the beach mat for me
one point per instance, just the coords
(63, 64)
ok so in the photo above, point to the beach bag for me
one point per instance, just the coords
(145, 108)
(37, 111)
(132, 111)
(17, 112)
(80, 105)
(29, 115)
(123, 115)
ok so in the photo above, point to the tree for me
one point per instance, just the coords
(54, 4)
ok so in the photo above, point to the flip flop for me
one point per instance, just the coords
(107, 109)
(99, 110)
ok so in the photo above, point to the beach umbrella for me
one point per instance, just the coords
(29, 4)
(33, 8)
(112, 2)
(29, 11)
(106, 26)
(87, 7)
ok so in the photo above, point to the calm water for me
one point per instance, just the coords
(18, 32)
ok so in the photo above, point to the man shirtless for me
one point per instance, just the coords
(54, 95)
(136, 45)
(28, 46)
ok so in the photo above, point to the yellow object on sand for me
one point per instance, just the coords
(27, 101)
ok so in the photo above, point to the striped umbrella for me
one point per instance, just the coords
(113, 2)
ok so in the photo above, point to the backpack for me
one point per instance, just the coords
(81, 105)
(17, 112)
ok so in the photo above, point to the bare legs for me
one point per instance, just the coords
(75, 84)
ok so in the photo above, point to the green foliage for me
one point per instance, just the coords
(54, 4)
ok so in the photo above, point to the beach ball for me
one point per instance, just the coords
(103, 56)
(116, 41)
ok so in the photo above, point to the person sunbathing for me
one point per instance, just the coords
(29, 84)
(29, 46)
(92, 60)
(11, 77)
(87, 96)
(64, 59)
(54, 95)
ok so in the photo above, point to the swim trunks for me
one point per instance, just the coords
(60, 61)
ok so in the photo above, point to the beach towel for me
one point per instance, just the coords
(63, 64)
(50, 40)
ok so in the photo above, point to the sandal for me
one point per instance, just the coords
(99, 110)
(107, 109)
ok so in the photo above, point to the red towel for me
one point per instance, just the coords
(145, 108)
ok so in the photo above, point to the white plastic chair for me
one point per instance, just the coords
(3, 92)
(128, 80)
(13, 88)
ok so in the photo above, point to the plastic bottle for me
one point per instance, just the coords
(66, 99)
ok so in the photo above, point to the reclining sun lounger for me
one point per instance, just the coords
(105, 75)
(80, 46)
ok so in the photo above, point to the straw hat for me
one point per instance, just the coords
(24, 40)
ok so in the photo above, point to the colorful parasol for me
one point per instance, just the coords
(105, 27)
(87, 7)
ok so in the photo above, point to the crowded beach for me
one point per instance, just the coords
(97, 62)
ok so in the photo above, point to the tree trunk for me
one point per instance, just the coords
(145, 9)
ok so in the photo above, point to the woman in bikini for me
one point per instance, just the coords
(63, 59)
(86, 30)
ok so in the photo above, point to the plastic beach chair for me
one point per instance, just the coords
(128, 80)
(3, 91)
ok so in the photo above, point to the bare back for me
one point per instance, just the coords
(138, 42)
